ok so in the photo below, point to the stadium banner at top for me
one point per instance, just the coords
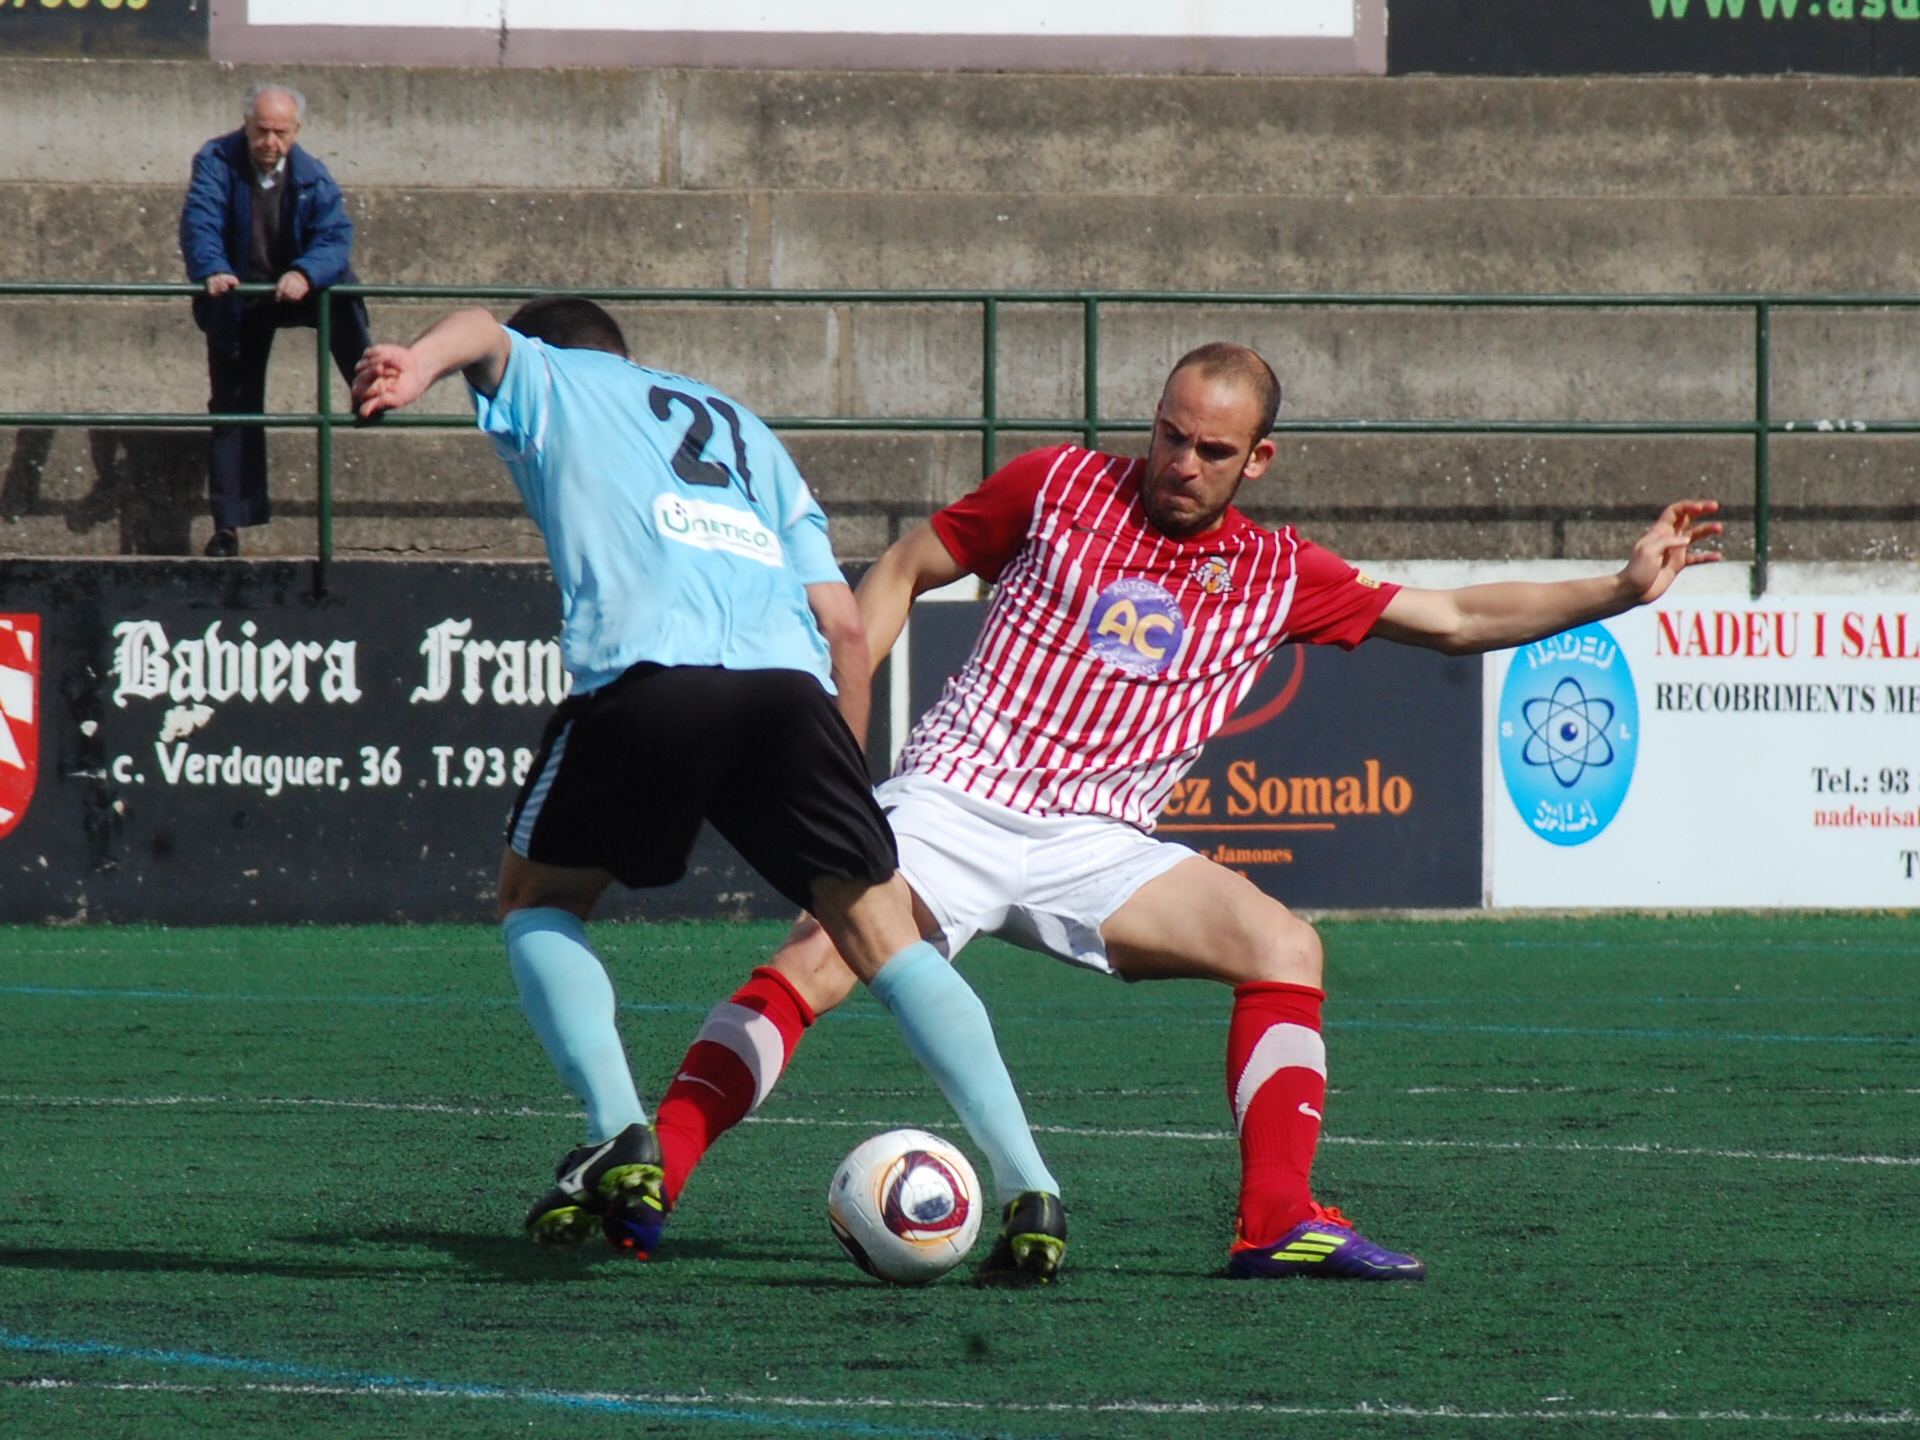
(1710, 751)
(1626, 37)
(1136, 36)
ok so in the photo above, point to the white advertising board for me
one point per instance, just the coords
(1710, 751)
(1274, 18)
(1130, 36)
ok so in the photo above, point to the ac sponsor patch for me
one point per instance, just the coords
(1137, 626)
(19, 716)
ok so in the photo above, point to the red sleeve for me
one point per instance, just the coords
(1333, 603)
(985, 530)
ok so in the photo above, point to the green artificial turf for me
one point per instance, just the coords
(270, 1182)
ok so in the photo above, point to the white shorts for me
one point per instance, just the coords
(1045, 882)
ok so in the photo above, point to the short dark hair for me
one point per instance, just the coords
(1222, 360)
(569, 323)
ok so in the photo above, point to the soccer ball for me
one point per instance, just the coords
(905, 1206)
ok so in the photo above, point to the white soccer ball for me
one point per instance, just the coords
(905, 1206)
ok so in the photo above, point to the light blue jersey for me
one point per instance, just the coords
(678, 528)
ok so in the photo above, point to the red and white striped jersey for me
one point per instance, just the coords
(1112, 652)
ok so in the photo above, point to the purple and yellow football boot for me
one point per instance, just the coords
(1324, 1245)
(614, 1187)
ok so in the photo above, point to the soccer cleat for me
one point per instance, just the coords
(1324, 1245)
(614, 1187)
(1033, 1238)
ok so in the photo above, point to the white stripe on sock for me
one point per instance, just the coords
(754, 1038)
(1283, 1047)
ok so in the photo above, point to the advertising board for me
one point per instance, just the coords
(1344, 779)
(195, 743)
(105, 29)
(1709, 751)
(1624, 37)
(1241, 36)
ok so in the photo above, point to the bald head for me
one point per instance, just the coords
(1236, 365)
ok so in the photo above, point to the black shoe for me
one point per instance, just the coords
(1033, 1239)
(222, 545)
(615, 1187)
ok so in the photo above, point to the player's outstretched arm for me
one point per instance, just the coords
(390, 377)
(1493, 617)
(916, 563)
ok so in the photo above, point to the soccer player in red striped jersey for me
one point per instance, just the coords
(1133, 609)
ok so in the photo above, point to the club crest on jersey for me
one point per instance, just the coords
(19, 715)
(1213, 575)
(1137, 626)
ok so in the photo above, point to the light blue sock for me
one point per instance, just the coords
(565, 992)
(947, 1030)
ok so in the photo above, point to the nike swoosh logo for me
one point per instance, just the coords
(572, 1182)
(1306, 1109)
(700, 1080)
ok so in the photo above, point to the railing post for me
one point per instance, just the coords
(323, 445)
(1090, 367)
(1762, 445)
(989, 386)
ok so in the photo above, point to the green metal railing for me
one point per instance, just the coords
(990, 424)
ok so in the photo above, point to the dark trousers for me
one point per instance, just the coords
(237, 368)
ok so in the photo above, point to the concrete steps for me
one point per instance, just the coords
(745, 180)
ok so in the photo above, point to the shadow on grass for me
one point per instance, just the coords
(512, 1257)
(506, 1259)
(167, 1262)
(495, 1259)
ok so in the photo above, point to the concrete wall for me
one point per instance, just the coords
(753, 179)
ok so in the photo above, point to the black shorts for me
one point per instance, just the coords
(626, 773)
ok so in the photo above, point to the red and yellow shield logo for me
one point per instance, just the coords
(19, 715)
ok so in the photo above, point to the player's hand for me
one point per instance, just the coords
(221, 284)
(1664, 551)
(388, 377)
(292, 288)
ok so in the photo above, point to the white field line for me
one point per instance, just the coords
(397, 1107)
(1571, 1147)
(1363, 1409)
(1637, 1090)
(1078, 1131)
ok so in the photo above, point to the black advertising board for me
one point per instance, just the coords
(186, 742)
(105, 29)
(1346, 780)
(195, 743)
(1623, 37)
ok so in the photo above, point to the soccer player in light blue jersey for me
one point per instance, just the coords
(720, 673)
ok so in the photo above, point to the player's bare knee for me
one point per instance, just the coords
(1288, 949)
(525, 885)
(810, 964)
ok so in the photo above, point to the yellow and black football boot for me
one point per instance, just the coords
(1033, 1240)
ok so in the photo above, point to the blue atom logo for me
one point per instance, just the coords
(1567, 732)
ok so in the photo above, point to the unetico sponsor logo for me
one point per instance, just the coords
(707, 526)
(1569, 730)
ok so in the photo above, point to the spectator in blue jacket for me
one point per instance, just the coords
(260, 208)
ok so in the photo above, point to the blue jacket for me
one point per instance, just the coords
(216, 224)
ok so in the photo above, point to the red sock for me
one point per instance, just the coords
(1277, 1085)
(731, 1067)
